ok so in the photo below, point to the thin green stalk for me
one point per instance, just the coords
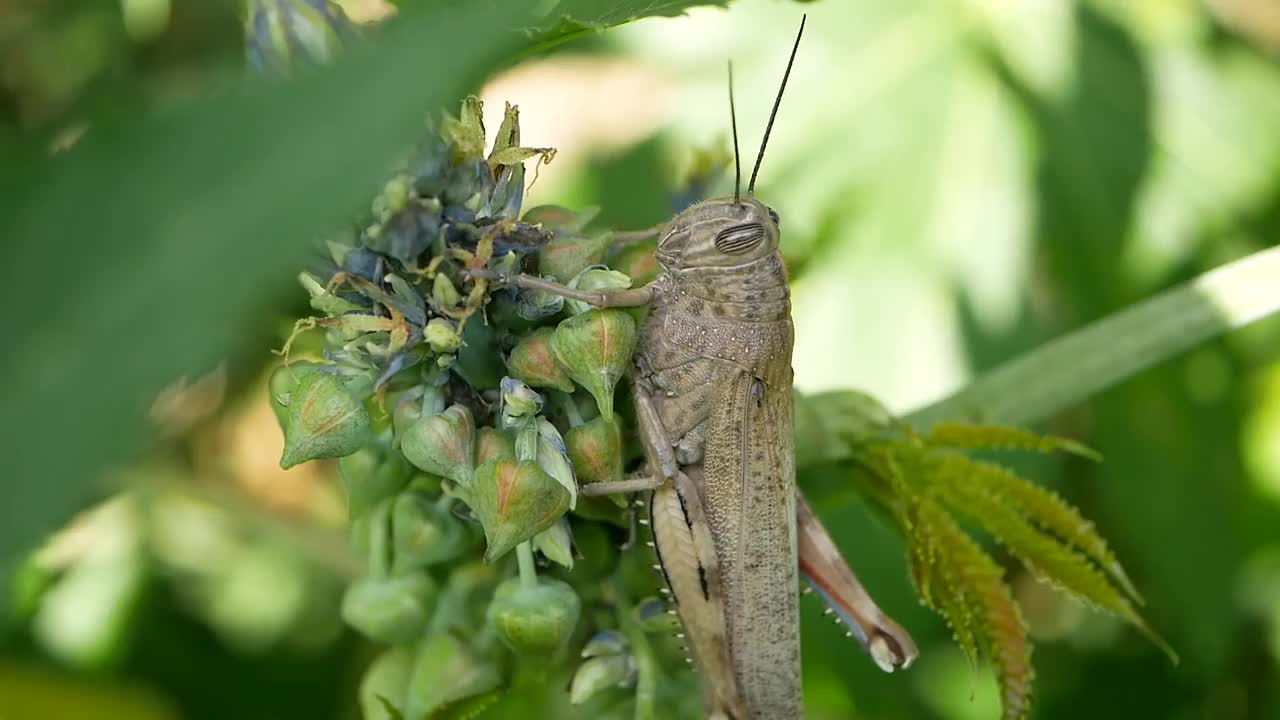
(1066, 371)
(570, 407)
(642, 651)
(379, 541)
(528, 575)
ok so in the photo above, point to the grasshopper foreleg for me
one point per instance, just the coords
(611, 297)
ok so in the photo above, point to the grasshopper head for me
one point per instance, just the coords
(720, 233)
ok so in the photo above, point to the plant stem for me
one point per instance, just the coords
(528, 574)
(570, 407)
(1066, 371)
(379, 542)
(642, 651)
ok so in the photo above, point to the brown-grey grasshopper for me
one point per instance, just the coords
(711, 380)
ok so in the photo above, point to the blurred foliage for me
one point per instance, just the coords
(958, 181)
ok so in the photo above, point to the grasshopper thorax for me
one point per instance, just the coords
(723, 232)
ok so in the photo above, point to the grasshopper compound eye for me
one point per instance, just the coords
(773, 216)
(739, 239)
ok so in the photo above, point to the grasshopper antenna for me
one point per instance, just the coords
(737, 159)
(751, 186)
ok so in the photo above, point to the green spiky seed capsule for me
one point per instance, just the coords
(445, 671)
(595, 278)
(560, 219)
(323, 421)
(369, 476)
(391, 610)
(594, 348)
(386, 681)
(424, 533)
(595, 448)
(493, 444)
(639, 262)
(569, 254)
(534, 620)
(515, 501)
(531, 361)
(443, 444)
(284, 380)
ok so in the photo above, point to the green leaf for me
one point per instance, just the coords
(570, 15)
(964, 436)
(987, 603)
(1046, 510)
(1049, 559)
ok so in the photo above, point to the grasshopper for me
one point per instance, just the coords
(711, 381)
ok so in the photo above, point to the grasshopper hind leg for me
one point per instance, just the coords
(689, 564)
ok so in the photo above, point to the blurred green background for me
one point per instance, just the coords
(958, 180)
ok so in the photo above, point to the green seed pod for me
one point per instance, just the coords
(386, 683)
(446, 671)
(569, 254)
(284, 380)
(323, 421)
(556, 543)
(424, 533)
(444, 293)
(534, 305)
(600, 673)
(515, 501)
(493, 444)
(560, 219)
(595, 348)
(595, 448)
(537, 620)
(370, 475)
(442, 335)
(639, 261)
(595, 278)
(531, 361)
(391, 610)
(443, 444)
(407, 407)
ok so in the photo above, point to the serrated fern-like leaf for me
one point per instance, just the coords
(940, 590)
(1046, 509)
(979, 608)
(962, 436)
(1052, 560)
